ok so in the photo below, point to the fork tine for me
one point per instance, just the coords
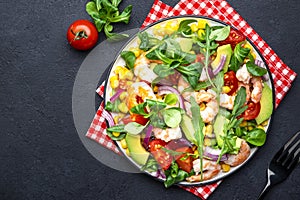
(295, 161)
(283, 154)
(291, 153)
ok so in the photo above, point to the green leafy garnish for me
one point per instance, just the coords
(220, 34)
(129, 58)
(198, 125)
(106, 12)
(255, 70)
(238, 57)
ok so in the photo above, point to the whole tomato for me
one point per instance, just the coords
(82, 34)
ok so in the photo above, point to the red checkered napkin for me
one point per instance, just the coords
(282, 75)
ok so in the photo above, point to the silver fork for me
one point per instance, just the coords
(283, 163)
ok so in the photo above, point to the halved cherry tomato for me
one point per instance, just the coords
(252, 111)
(231, 81)
(185, 163)
(162, 157)
(82, 34)
(233, 39)
(140, 119)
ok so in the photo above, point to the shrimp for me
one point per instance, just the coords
(139, 92)
(182, 85)
(142, 70)
(243, 75)
(210, 170)
(240, 157)
(211, 108)
(257, 89)
(227, 101)
(167, 134)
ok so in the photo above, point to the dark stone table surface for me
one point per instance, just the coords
(42, 156)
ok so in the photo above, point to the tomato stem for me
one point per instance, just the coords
(79, 35)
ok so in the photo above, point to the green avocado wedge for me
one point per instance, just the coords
(266, 104)
(136, 150)
(222, 50)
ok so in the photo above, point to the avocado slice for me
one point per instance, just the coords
(218, 128)
(266, 105)
(136, 150)
(186, 44)
(188, 129)
(222, 50)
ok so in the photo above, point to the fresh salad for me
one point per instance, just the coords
(188, 100)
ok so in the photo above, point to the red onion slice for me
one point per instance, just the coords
(221, 64)
(116, 95)
(108, 117)
(213, 154)
(168, 89)
(148, 135)
(175, 144)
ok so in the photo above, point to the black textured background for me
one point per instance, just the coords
(41, 156)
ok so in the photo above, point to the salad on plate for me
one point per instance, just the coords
(189, 100)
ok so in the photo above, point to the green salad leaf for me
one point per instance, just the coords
(106, 12)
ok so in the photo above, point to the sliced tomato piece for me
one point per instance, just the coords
(184, 161)
(231, 81)
(139, 119)
(162, 157)
(252, 111)
(233, 39)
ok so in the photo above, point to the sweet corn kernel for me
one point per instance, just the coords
(155, 89)
(196, 152)
(194, 27)
(114, 82)
(202, 106)
(136, 51)
(226, 89)
(123, 108)
(123, 96)
(250, 128)
(116, 134)
(261, 127)
(200, 33)
(244, 124)
(123, 143)
(209, 130)
(202, 23)
(265, 123)
(225, 167)
(253, 55)
(127, 152)
(116, 119)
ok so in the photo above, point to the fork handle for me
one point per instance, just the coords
(264, 191)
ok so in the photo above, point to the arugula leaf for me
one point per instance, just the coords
(113, 107)
(198, 125)
(117, 128)
(239, 101)
(255, 70)
(129, 58)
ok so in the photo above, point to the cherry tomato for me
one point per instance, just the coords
(231, 81)
(252, 111)
(82, 34)
(139, 119)
(185, 163)
(162, 157)
(233, 39)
